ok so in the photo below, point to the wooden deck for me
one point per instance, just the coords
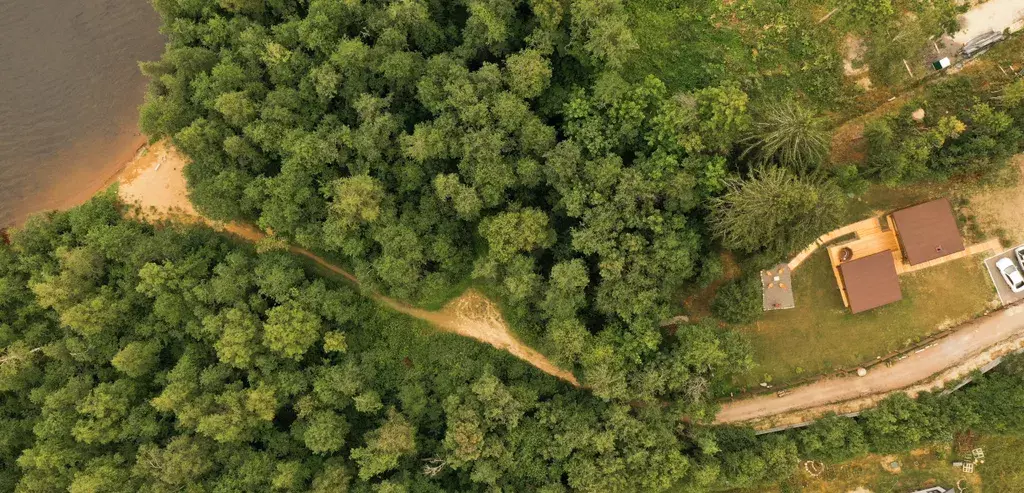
(992, 245)
(866, 225)
(871, 239)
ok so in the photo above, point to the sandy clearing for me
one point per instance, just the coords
(993, 15)
(974, 345)
(855, 51)
(155, 183)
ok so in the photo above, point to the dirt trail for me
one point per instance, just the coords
(155, 183)
(968, 348)
(470, 315)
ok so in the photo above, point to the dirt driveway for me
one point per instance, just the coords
(993, 15)
(973, 345)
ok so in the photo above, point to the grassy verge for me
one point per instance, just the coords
(820, 335)
(919, 469)
(1002, 472)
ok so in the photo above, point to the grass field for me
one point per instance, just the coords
(1003, 469)
(773, 48)
(820, 335)
(918, 469)
(1002, 472)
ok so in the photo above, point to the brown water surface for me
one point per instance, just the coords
(70, 89)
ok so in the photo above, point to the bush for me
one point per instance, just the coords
(738, 301)
(711, 269)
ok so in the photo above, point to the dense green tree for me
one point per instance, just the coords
(385, 446)
(900, 423)
(775, 210)
(738, 301)
(791, 135)
(291, 330)
(832, 439)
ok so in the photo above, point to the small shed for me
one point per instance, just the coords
(871, 282)
(927, 231)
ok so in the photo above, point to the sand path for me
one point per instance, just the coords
(155, 182)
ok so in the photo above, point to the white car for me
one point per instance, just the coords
(1020, 255)
(1011, 274)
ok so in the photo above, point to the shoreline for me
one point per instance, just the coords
(46, 202)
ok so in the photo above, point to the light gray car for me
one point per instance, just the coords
(1011, 274)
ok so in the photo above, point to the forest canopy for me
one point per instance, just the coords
(151, 358)
(427, 143)
(167, 358)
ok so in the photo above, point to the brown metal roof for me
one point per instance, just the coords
(871, 281)
(928, 231)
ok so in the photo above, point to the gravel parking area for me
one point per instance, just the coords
(1006, 296)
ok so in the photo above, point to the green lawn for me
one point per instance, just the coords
(820, 334)
(1003, 469)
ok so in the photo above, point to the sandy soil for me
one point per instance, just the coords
(472, 315)
(992, 15)
(855, 51)
(954, 357)
(154, 182)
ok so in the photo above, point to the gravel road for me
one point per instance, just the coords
(969, 347)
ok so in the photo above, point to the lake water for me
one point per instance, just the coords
(70, 89)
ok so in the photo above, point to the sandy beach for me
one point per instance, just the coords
(155, 182)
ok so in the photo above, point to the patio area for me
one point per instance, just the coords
(778, 288)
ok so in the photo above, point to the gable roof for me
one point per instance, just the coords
(928, 231)
(871, 281)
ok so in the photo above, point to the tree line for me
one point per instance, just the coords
(967, 130)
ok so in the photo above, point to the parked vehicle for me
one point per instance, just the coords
(1020, 256)
(1011, 274)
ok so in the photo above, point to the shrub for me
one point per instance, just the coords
(738, 301)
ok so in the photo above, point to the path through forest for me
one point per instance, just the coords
(156, 183)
